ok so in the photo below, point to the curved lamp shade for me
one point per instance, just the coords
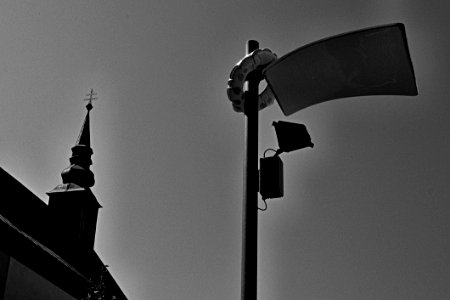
(372, 61)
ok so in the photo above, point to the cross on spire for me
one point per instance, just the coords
(90, 97)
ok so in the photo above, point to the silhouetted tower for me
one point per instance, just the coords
(72, 205)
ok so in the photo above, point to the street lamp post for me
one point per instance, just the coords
(371, 61)
(251, 178)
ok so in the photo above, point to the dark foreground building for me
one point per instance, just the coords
(47, 251)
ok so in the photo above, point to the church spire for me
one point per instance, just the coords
(78, 172)
(72, 204)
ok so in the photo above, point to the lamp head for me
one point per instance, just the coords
(371, 61)
(291, 136)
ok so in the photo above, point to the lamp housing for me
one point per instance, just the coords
(291, 136)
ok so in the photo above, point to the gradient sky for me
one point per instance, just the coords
(366, 212)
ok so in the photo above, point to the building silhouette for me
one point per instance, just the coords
(47, 250)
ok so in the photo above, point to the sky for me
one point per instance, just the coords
(365, 213)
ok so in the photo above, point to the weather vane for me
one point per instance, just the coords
(90, 97)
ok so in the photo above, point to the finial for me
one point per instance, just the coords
(90, 97)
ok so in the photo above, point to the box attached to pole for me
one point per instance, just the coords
(271, 177)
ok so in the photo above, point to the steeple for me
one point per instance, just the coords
(78, 172)
(73, 206)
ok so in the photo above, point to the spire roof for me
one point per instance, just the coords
(84, 138)
(78, 172)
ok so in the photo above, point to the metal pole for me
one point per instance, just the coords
(251, 178)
